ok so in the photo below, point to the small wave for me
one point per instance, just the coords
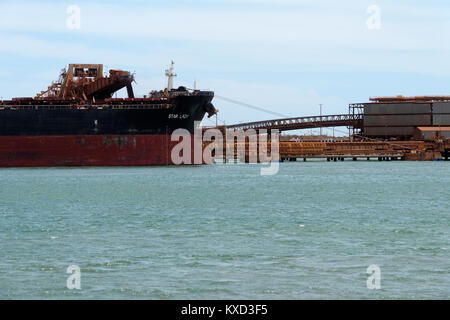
(404, 231)
(431, 249)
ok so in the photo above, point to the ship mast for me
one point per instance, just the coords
(170, 75)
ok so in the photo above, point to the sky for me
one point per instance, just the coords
(287, 56)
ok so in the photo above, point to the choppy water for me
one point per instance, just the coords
(225, 232)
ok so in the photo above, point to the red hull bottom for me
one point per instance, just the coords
(85, 150)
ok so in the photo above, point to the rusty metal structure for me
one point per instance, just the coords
(407, 128)
(86, 82)
(397, 118)
(339, 151)
(415, 99)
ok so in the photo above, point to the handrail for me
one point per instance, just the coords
(82, 106)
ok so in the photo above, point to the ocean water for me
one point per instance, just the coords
(226, 232)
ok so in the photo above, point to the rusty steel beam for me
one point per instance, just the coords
(410, 99)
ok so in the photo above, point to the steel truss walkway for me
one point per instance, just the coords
(339, 120)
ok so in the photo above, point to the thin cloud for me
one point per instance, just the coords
(253, 50)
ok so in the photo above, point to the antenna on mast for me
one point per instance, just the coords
(170, 75)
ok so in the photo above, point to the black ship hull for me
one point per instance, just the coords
(110, 118)
(128, 132)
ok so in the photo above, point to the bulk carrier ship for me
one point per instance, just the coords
(77, 122)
